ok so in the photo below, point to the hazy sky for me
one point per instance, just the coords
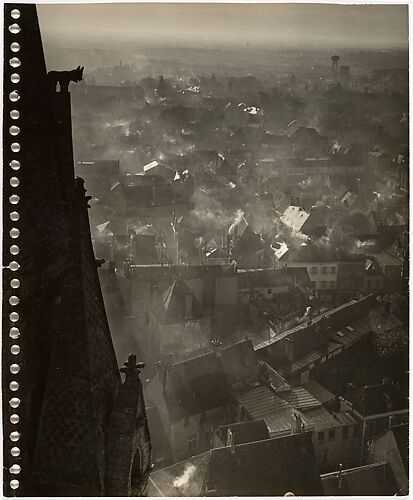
(296, 24)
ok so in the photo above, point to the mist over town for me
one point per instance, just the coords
(249, 213)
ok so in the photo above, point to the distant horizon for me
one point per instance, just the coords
(262, 25)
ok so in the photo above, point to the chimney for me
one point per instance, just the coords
(229, 239)
(340, 476)
(293, 423)
(297, 425)
(289, 349)
(216, 345)
(231, 441)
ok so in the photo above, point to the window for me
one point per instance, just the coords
(324, 269)
(331, 434)
(345, 432)
(314, 270)
(323, 284)
(333, 270)
(320, 436)
(269, 291)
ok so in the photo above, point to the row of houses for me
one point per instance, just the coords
(278, 382)
(255, 464)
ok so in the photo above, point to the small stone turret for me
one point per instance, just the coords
(128, 450)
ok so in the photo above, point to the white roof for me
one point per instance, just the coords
(150, 165)
(295, 217)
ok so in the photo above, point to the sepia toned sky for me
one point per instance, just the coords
(378, 26)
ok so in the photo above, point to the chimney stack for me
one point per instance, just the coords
(340, 476)
(231, 441)
(216, 344)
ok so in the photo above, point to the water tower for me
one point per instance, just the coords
(334, 64)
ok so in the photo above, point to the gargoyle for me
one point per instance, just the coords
(64, 78)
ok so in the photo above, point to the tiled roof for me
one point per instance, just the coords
(271, 467)
(261, 402)
(266, 468)
(321, 418)
(300, 398)
(345, 418)
(353, 332)
(319, 391)
(369, 480)
(350, 311)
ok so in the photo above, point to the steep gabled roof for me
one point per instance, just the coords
(248, 243)
(184, 479)
(270, 467)
(170, 304)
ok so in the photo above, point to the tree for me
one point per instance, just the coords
(391, 343)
